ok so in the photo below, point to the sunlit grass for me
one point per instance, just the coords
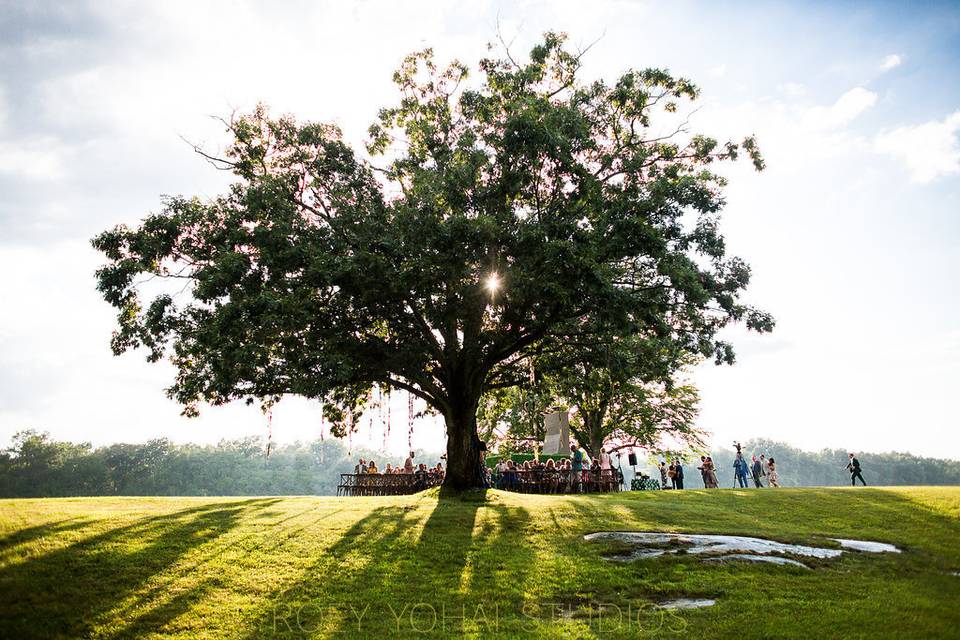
(494, 565)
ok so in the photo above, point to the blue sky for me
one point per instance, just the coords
(853, 232)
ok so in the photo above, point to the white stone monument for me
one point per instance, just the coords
(556, 426)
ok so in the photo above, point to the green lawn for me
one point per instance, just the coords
(499, 565)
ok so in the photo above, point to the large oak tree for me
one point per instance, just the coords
(322, 274)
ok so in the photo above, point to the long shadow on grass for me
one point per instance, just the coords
(331, 583)
(400, 572)
(63, 593)
(165, 599)
(46, 530)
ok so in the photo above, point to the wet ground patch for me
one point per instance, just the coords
(635, 545)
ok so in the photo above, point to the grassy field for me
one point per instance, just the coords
(493, 565)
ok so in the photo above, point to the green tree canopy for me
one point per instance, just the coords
(623, 402)
(626, 393)
(322, 274)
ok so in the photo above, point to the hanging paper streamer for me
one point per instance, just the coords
(269, 431)
(409, 421)
(388, 411)
(383, 423)
(351, 421)
(322, 445)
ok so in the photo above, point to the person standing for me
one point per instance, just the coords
(773, 478)
(663, 475)
(587, 466)
(606, 465)
(703, 472)
(757, 469)
(512, 475)
(677, 474)
(501, 469)
(606, 471)
(712, 473)
(576, 464)
(740, 471)
(854, 468)
(408, 464)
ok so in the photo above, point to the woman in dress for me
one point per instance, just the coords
(773, 480)
(606, 465)
(711, 470)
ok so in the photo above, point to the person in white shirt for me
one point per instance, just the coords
(606, 465)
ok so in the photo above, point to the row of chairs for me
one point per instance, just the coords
(558, 481)
(386, 484)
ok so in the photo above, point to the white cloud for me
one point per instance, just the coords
(719, 71)
(36, 159)
(891, 62)
(795, 135)
(792, 89)
(843, 111)
(930, 150)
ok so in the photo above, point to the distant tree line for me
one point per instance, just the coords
(36, 465)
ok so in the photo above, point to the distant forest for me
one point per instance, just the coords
(36, 465)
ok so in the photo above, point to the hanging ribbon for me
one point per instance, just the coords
(322, 445)
(383, 423)
(409, 421)
(388, 411)
(269, 431)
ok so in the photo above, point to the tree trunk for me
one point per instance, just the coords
(464, 464)
(596, 444)
(593, 427)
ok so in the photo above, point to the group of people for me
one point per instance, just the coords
(365, 467)
(671, 476)
(757, 469)
(576, 474)
(368, 480)
(579, 472)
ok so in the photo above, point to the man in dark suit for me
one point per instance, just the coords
(678, 477)
(757, 469)
(854, 468)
